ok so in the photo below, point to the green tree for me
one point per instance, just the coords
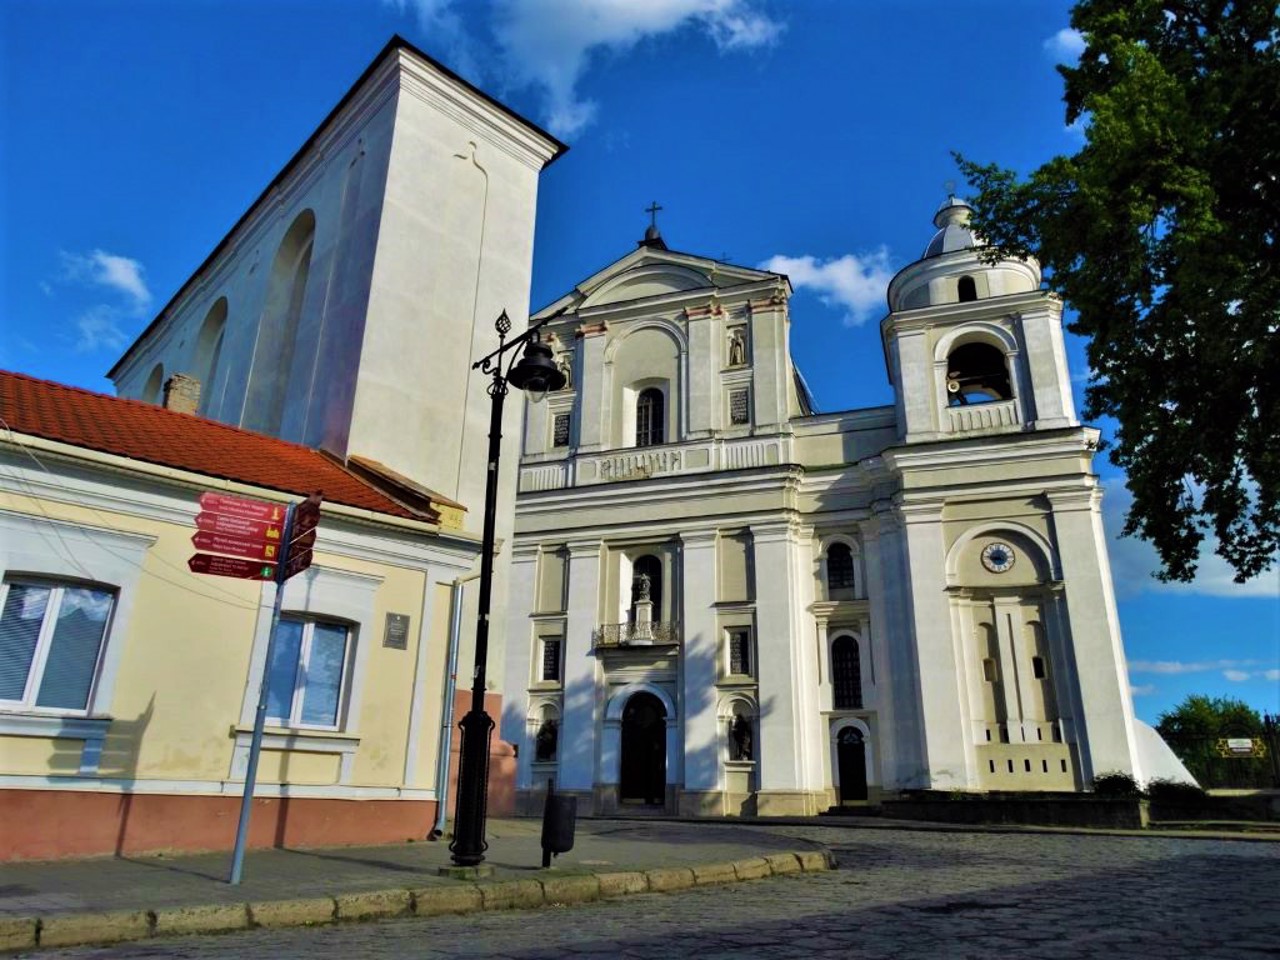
(1161, 232)
(1201, 716)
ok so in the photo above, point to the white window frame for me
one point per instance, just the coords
(44, 640)
(729, 631)
(294, 720)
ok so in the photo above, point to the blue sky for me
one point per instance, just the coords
(814, 136)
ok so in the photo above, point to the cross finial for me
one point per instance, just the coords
(950, 187)
(652, 211)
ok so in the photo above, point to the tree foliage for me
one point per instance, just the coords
(1199, 716)
(1161, 232)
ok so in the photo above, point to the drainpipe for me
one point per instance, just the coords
(446, 721)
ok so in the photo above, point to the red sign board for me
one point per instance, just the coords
(254, 549)
(241, 507)
(232, 526)
(241, 569)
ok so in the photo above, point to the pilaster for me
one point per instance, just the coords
(1098, 661)
(578, 733)
(701, 658)
(593, 391)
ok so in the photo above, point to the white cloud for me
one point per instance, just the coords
(1066, 45)
(121, 274)
(1133, 560)
(548, 44)
(1236, 676)
(855, 284)
(1142, 689)
(99, 326)
(1195, 666)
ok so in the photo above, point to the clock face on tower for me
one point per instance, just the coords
(997, 557)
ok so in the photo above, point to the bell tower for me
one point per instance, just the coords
(973, 347)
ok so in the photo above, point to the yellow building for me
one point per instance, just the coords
(128, 684)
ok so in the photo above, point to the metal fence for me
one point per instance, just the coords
(1233, 760)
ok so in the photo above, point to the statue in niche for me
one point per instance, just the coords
(740, 739)
(565, 365)
(644, 587)
(738, 347)
(545, 743)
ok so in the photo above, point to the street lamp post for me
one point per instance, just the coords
(535, 373)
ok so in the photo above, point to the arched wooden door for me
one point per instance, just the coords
(851, 758)
(644, 751)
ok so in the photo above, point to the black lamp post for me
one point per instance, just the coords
(535, 373)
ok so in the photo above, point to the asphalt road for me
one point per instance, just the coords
(896, 894)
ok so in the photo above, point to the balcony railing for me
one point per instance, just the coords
(637, 635)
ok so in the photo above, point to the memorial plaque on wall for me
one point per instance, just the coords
(560, 432)
(738, 407)
(397, 633)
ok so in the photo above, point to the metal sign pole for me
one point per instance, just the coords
(260, 717)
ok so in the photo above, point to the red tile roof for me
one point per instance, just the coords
(143, 431)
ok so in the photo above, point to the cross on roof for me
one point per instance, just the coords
(652, 210)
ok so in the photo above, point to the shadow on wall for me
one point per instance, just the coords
(704, 756)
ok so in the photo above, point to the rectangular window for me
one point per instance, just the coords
(740, 652)
(51, 639)
(560, 430)
(551, 658)
(1037, 667)
(306, 679)
(989, 669)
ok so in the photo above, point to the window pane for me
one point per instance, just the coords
(283, 670)
(73, 653)
(19, 629)
(324, 674)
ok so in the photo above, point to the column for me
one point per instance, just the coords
(1097, 653)
(939, 694)
(700, 656)
(580, 729)
(519, 670)
(787, 747)
(593, 404)
(880, 636)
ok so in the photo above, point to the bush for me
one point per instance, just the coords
(1175, 793)
(1116, 784)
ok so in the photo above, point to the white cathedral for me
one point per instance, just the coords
(715, 599)
(723, 602)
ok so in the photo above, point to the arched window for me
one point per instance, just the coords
(976, 373)
(846, 674)
(840, 567)
(649, 567)
(546, 742)
(278, 330)
(155, 384)
(967, 289)
(650, 417)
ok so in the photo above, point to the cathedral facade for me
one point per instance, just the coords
(724, 602)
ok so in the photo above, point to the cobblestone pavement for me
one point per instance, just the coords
(896, 894)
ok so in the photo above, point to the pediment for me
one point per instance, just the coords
(646, 273)
(650, 280)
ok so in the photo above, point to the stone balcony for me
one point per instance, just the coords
(652, 634)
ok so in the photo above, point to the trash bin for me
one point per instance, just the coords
(559, 818)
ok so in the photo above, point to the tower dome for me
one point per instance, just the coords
(952, 221)
(951, 269)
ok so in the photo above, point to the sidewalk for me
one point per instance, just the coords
(102, 900)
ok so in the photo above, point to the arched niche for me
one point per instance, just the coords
(208, 354)
(278, 328)
(153, 389)
(1034, 560)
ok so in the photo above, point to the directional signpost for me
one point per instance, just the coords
(248, 539)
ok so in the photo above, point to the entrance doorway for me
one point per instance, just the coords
(851, 759)
(644, 751)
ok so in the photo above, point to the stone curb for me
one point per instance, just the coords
(83, 929)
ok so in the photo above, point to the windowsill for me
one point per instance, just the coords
(58, 725)
(737, 680)
(305, 738)
(541, 686)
